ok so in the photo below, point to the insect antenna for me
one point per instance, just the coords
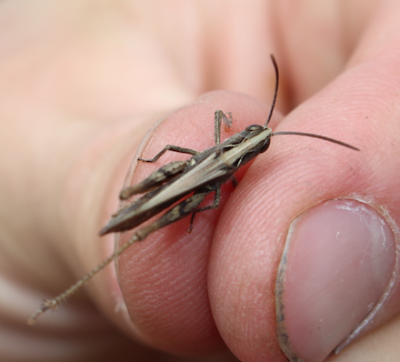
(315, 136)
(275, 91)
(297, 133)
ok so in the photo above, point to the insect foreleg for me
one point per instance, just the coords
(215, 205)
(218, 117)
(169, 148)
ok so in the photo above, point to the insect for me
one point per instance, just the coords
(189, 181)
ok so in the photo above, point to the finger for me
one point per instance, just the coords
(164, 278)
(55, 141)
(293, 182)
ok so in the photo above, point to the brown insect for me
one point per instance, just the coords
(190, 181)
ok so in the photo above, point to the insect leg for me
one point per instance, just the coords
(215, 205)
(178, 212)
(234, 181)
(218, 117)
(156, 179)
(169, 148)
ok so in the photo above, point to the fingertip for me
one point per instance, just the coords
(164, 278)
(292, 177)
(336, 274)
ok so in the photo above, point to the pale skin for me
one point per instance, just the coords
(82, 82)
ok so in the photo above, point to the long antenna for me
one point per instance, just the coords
(297, 133)
(316, 136)
(275, 91)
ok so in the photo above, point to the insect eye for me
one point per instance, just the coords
(254, 127)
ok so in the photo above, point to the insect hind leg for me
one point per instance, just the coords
(156, 179)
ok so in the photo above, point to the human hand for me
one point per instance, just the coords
(77, 100)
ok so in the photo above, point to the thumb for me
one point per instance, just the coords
(338, 262)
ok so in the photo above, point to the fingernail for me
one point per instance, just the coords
(336, 267)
